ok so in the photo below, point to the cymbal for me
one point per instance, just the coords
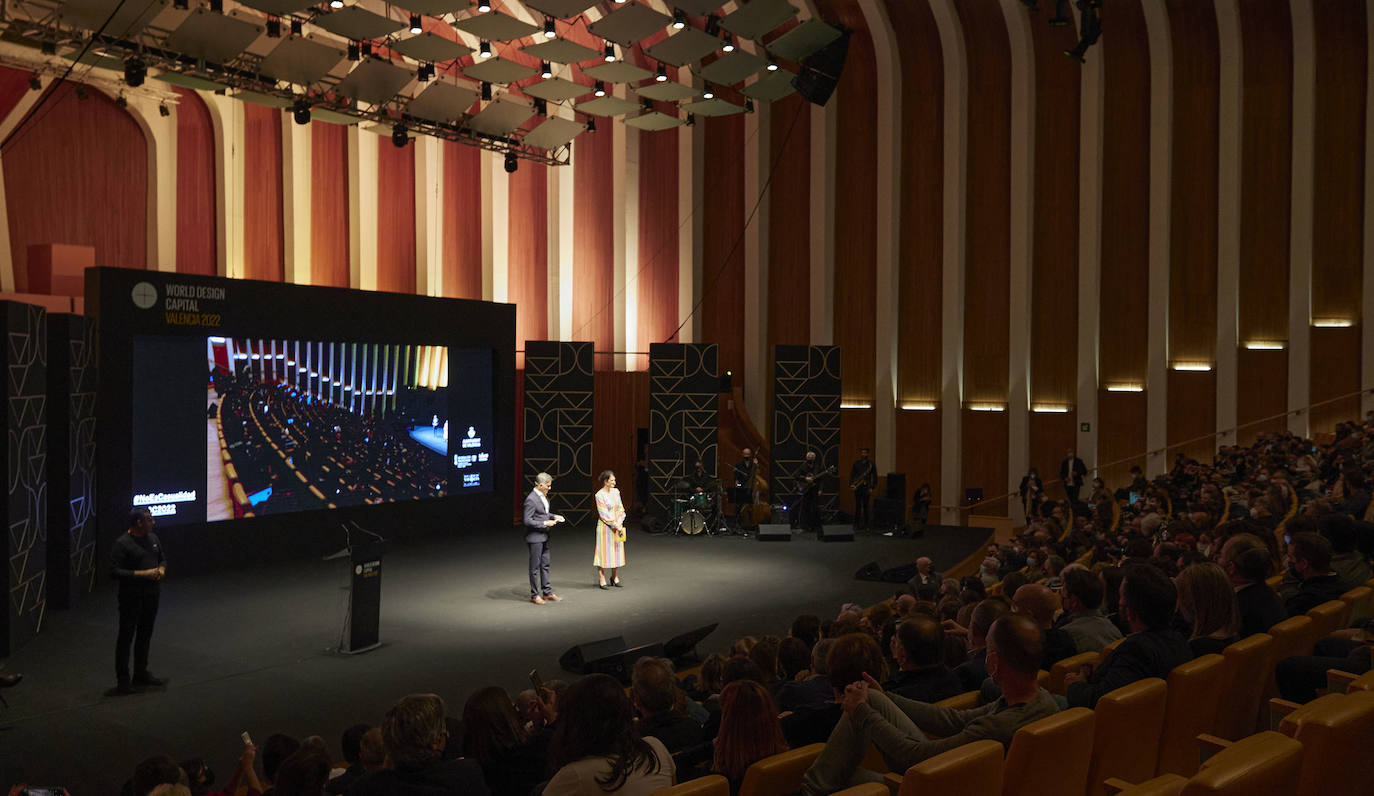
(682, 485)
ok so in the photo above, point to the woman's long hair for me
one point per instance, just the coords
(595, 719)
(749, 729)
(490, 725)
(1207, 600)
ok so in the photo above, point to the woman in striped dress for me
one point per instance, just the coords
(610, 530)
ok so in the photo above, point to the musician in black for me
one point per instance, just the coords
(701, 481)
(744, 482)
(806, 512)
(863, 476)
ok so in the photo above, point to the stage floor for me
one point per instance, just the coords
(254, 650)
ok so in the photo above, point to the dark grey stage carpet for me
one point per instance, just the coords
(254, 650)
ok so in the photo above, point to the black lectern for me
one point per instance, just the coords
(364, 597)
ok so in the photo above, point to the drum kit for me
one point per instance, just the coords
(697, 512)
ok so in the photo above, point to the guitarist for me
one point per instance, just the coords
(806, 514)
(863, 477)
(742, 494)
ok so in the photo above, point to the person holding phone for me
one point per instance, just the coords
(610, 530)
(139, 563)
(538, 520)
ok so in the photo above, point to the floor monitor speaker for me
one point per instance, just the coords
(775, 532)
(837, 533)
(575, 660)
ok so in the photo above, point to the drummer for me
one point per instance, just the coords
(701, 481)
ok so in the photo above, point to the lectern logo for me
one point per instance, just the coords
(358, 570)
(144, 295)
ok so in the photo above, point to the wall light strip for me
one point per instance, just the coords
(1265, 345)
(1125, 388)
(987, 407)
(1200, 367)
(1332, 323)
(856, 405)
(1042, 409)
(919, 407)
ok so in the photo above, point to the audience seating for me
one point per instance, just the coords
(712, 785)
(867, 789)
(781, 773)
(1050, 757)
(1248, 663)
(1126, 737)
(1327, 618)
(1265, 764)
(1110, 648)
(964, 701)
(1293, 636)
(1359, 599)
(974, 769)
(1193, 699)
(1063, 668)
(1335, 731)
(1339, 682)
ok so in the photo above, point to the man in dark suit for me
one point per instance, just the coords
(538, 520)
(1072, 471)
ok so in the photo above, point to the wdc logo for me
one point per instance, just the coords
(144, 295)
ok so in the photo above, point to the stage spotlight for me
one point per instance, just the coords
(608, 53)
(647, 104)
(422, 74)
(135, 71)
(748, 106)
(297, 27)
(120, 102)
(541, 107)
(591, 125)
(729, 44)
(772, 63)
(691, 120)
(483, 6)
(415, 26)
(662, 76)
(354, 51)
(679, 19)
(486, 91)
(336, 4)
(366, 48)
(300, 111)
(709, 93)
(1061, 16)
(545, 69)
(549, 30)
(712, 25)
(273, 28)
(512, 163)
(484, 49)
(35, 82)
(399, 136)
(600, 90)
(163, 111)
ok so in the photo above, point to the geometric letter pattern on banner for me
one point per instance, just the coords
(71, 459)
(558, 425)
(26, 357)
(806, 417)
(684, 394)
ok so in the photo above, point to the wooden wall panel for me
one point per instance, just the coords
(1192, 421)
(396, 218)
(196, 216)
(1123, 414)
(462, 186)
(1261, 393)
(789, 223)
(263, 239)
(14, 84)
(658, 239)
(987, 269)
(1335, 377)
(921, 251)
(329, 204)
(594, 297)
(529, 254)
(78, 173)
(621, 407)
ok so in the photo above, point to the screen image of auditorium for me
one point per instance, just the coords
(228, 427)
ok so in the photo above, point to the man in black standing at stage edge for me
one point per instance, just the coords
(139, 563)
(863, 476)
(1072, 471)
(744, 482)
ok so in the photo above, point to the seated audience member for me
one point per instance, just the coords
(990, 572)
(794, 657)
(512, 761)
(764, 654)
(1300, 677)
(654, 691)
(1208, 603)
(1351, 568)
(1013, 581)
(596, 749)
(850, 658)
(973, 671)
(925, 584)
(749, 731)
(1247, 562)
(1111, 598)
(415, 736)
(707, 684)
(1152, 649)
(814, 689)
(1083, 619)
(152, 772)
(304, 773)
(372, 751)
(1309, 554)
(919, 646)
(1054, 569)
(742, 645)
(276, 749)
(807, 628)
(898, 726)
(1039, 603)
(351, 741)
(902, 605)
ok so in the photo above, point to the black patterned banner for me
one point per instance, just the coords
(806, 416)
(558, 425)
(684, 391)
(71, 460)
(26, 507)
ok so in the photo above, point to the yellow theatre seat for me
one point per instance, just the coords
(1110, 648)
(1063, 668)
(1248, 663)
(964, 701)
(974, 769)
(1328, 618)
(1050, 757)
(1264, 764)
(866, 789)
(1194, 696)
(1360, 599)
(1128, 724)
(714, 785)
(1336, 731)
(780, 773)
(1293, 636)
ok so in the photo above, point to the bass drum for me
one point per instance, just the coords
(693, 522)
